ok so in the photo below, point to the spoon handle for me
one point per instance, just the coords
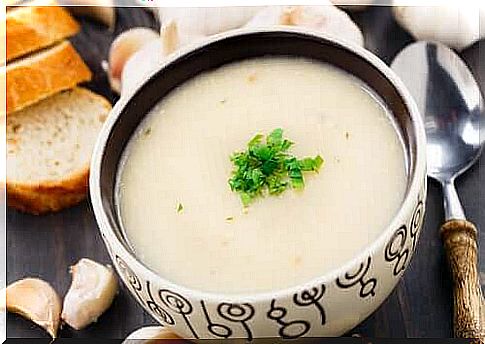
(459, 237)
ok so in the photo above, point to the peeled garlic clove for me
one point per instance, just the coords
(102, 11)
(206, 21)
(92, 291)
(456, 26)
(122, 48)
(326, 19)
(149, 335)
(37, 301)
(140, 65)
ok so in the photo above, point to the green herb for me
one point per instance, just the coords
(266, 167)
(229, 218)
(180, 208)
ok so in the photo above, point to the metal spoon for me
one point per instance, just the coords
(451, 104)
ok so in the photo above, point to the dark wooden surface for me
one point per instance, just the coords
(420, 306)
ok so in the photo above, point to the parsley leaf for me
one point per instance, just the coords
(266, 167)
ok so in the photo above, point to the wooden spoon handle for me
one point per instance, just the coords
(459, 237)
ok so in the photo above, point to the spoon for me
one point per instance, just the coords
(451, 104)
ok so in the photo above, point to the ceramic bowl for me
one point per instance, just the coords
(326, 306)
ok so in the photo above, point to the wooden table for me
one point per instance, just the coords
(420, 306)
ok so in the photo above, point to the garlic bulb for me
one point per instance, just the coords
(149, 334)
(35, 300)
(206, 21)
(122, 48)
(92, 291)
(102, 11)
(456, 26)
(327, 19)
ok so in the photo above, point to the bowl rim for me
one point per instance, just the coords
(416, 180)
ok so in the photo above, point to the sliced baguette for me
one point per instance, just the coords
(49, 147)
(43, 74)
(37, 25)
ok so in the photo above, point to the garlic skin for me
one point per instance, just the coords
(92, 291)
(122, 48)
(326, 19)
(206, 21)
(455, 26)
(102, 11)
(36, 300)
(149, 335)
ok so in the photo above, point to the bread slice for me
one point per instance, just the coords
(49, 147)
(43, 74)
(33, 27)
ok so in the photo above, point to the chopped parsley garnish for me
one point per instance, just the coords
(266, 167)
(180, 208)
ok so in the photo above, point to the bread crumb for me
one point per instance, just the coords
(347, 135)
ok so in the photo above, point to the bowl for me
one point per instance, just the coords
(326, 306)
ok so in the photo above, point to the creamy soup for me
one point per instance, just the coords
(183, 220)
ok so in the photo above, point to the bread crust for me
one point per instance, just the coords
(41, 197)
(30, 28)
(49, 196)
(55, 70)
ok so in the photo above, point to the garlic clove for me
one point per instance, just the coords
(151, 55)
(122, 48)
(35, 300)
(140, 65)
(102, 11)
(149, 335)
(92, 291)
(326, 18)
(455, 26)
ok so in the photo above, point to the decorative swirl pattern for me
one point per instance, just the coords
(311, 297)
(397, 251)
(288, 329)
(367, 288)
(218, 330)
(416, 222)
(237, 312)
(164, 316)
(178, 304)
(131, 277)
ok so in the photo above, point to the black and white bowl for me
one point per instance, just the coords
(327, 306)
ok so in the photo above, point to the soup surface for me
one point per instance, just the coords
(183, 220)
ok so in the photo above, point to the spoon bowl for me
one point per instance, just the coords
(449, 98)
